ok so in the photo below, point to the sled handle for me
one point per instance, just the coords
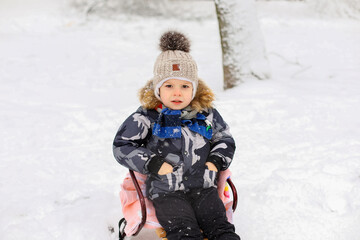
(234, 192)
(142, 202)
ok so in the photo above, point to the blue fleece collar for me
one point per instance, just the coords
(168, 125)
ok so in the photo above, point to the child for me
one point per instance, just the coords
(180, 142)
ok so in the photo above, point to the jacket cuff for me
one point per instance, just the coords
(216, 160)
(155, 164)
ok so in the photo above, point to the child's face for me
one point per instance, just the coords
(176, 94)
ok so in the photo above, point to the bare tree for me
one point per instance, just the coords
(242, 42)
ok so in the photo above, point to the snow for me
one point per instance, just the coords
(67, 83)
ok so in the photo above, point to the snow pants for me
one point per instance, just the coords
(185, 215)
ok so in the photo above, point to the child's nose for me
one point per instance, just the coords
(177, 92)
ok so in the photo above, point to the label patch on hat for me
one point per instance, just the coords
(176, 67)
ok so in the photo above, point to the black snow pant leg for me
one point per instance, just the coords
(176, 215)
(211, 215)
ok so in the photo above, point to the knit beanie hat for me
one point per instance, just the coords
(174, 62)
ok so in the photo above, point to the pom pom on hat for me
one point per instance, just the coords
(174, 41)
(174, 62)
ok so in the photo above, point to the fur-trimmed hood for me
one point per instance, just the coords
(203, 99)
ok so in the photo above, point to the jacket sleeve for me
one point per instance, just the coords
(128, 145)
(222, 143)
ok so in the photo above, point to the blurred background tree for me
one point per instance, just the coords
(242, 42)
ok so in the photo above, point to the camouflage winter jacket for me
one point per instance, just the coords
(135, 145)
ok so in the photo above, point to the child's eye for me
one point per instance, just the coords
(168, 85)
(185, 86)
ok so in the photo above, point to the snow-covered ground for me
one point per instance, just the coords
(67, 83)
